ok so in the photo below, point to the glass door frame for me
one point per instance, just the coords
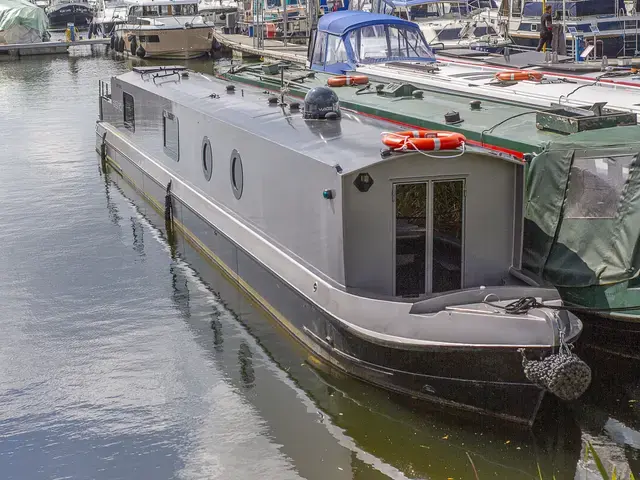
(429, 181)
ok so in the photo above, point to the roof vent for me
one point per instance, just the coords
(568, 120)
(452, 118)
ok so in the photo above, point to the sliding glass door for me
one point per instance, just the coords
(428, 236)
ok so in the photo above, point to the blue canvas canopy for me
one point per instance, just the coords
(347, 38)
(339, 23)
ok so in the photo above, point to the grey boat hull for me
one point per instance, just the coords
(483, 380)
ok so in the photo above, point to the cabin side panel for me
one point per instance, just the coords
(276, 190)
(487, 218)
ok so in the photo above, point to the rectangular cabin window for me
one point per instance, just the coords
(320, 49)
(129, 111)
(171, 135)
(149, 39)
(429, 232)
(336, 53)
(596, 185)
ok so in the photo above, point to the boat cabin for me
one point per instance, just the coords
(414, 10)
(398, 225)
(343, 40)
(161, 8)
(443, 23)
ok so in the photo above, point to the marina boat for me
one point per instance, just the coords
(108, 15)
(63, 12)
(22, 22)
(351, 47)
(163, 29)
(611, 27)
(270, 14)
(448, 24)
(406, 277)
(216, 11)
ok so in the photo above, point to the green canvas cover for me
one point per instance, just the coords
(24, 13)
(582, 212)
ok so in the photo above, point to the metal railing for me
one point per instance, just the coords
(105, 89)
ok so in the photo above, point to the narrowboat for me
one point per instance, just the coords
(397, 266)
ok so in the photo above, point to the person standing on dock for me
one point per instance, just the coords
(546, 33)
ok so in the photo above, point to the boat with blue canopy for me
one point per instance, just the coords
(349, 38)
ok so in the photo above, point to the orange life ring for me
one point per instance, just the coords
(342, 80)
(423, 140)
(518, 75)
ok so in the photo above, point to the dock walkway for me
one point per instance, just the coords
(45, 48)
(273, 49)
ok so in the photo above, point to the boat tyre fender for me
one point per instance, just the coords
(121, 45)
(518, 75)
(112, 43)
(141, 52)
(133, 44)
(342, 80)
(564, 374)
(423, 140)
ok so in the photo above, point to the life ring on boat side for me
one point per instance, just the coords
(518, 75)
(430, 140)
(342, 80)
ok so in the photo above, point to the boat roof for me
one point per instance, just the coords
(339, 23)
(146, 3)
(499, 125)
(353, 142)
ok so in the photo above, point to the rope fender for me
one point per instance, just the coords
(564, 374)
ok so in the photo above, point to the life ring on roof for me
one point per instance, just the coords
(342, 80)
(423, 140)
(518, 75)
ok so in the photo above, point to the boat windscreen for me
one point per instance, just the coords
(369, 44)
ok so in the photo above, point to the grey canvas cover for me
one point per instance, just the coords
(582, 212)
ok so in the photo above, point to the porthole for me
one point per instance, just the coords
(236, 174)
(207, 159)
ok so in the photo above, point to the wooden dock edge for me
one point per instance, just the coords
(13, 51)
(249, 51)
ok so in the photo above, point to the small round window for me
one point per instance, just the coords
(207, 159)
(236, 174)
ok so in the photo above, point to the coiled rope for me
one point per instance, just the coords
(524, 304)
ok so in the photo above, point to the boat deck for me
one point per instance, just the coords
(273, 49)
(46, 48)
(504, 126)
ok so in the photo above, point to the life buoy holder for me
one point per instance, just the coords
(342, 80)
(517, 75)
(423, 140)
